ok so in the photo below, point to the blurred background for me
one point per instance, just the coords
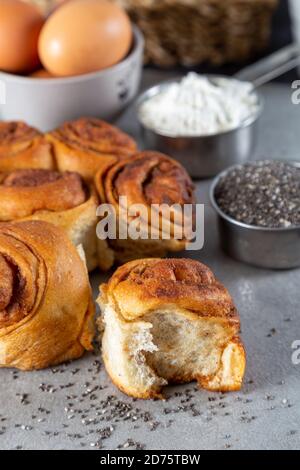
(210, 35)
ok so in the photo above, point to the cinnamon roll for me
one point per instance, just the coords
(60, 198)
(22, 146)
(153, 181)
(85, 145)
(169, 321)
(46, 308)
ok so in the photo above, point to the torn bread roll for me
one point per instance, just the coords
(46, 307)
(148, 179)
(22, 146)
(60, 198)
(169, 321)
(86, 144)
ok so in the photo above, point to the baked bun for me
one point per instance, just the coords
(46, 308)
(22, 146)
(60, 198)
(86, 144)
(169, 321)
(147, 178)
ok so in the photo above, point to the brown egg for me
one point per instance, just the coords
(41, 73)
(83, 36)
(20, 25)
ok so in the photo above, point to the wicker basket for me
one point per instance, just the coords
(190, 32)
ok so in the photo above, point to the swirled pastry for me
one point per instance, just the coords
(86, 144)
(46, 309)
(60, 198)
(149, 179)
(169, 321)
(22, 146)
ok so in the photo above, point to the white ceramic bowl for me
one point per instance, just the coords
(46, 103)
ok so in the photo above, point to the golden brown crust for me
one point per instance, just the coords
(31, 178)
(147, 178)
(192, 322)
(143, 285)
(60, 198)
(46, 311)
(87, 144)
(24, 192)
(22, 146)
(6, 287)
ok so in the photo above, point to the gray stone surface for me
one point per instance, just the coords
(68, 407)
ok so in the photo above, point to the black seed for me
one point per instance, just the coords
(265, 194)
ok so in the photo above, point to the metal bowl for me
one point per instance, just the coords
(272, 248)
(206, 155)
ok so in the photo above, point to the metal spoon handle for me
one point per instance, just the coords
(273, 66)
